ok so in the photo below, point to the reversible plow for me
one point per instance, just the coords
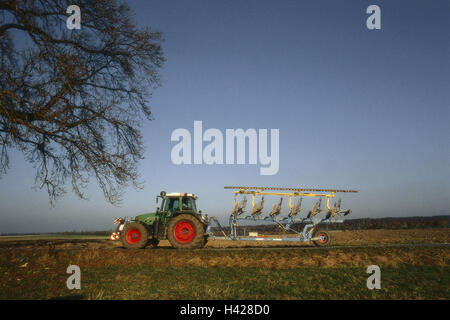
(332, 213)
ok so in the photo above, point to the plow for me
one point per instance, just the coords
(179, 221)
(315, 216)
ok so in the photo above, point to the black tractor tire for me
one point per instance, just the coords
(153, 242)
(134, 235)
(321, 243)
(186, 232)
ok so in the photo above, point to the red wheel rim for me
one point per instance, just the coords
(323, 237)
(133, 236)
(184, 231)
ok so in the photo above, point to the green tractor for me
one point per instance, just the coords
(177, 220)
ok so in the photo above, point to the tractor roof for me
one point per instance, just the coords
(179, 194)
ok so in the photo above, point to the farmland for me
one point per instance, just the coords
(414, 265)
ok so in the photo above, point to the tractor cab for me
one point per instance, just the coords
(176, 202)
(171, 204)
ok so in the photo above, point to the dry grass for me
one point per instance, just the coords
(266, 259)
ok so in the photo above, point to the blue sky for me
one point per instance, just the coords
(356, 108)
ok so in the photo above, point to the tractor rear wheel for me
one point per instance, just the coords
(325, 238)
(185, 232)
(134, 236)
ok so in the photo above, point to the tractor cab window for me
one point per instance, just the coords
(188, 204)
(172, 205)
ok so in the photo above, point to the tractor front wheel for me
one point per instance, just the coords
(186, 232)
(134, 236)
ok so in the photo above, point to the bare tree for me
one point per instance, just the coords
(72, 101)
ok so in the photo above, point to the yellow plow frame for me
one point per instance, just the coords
(295, 192)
